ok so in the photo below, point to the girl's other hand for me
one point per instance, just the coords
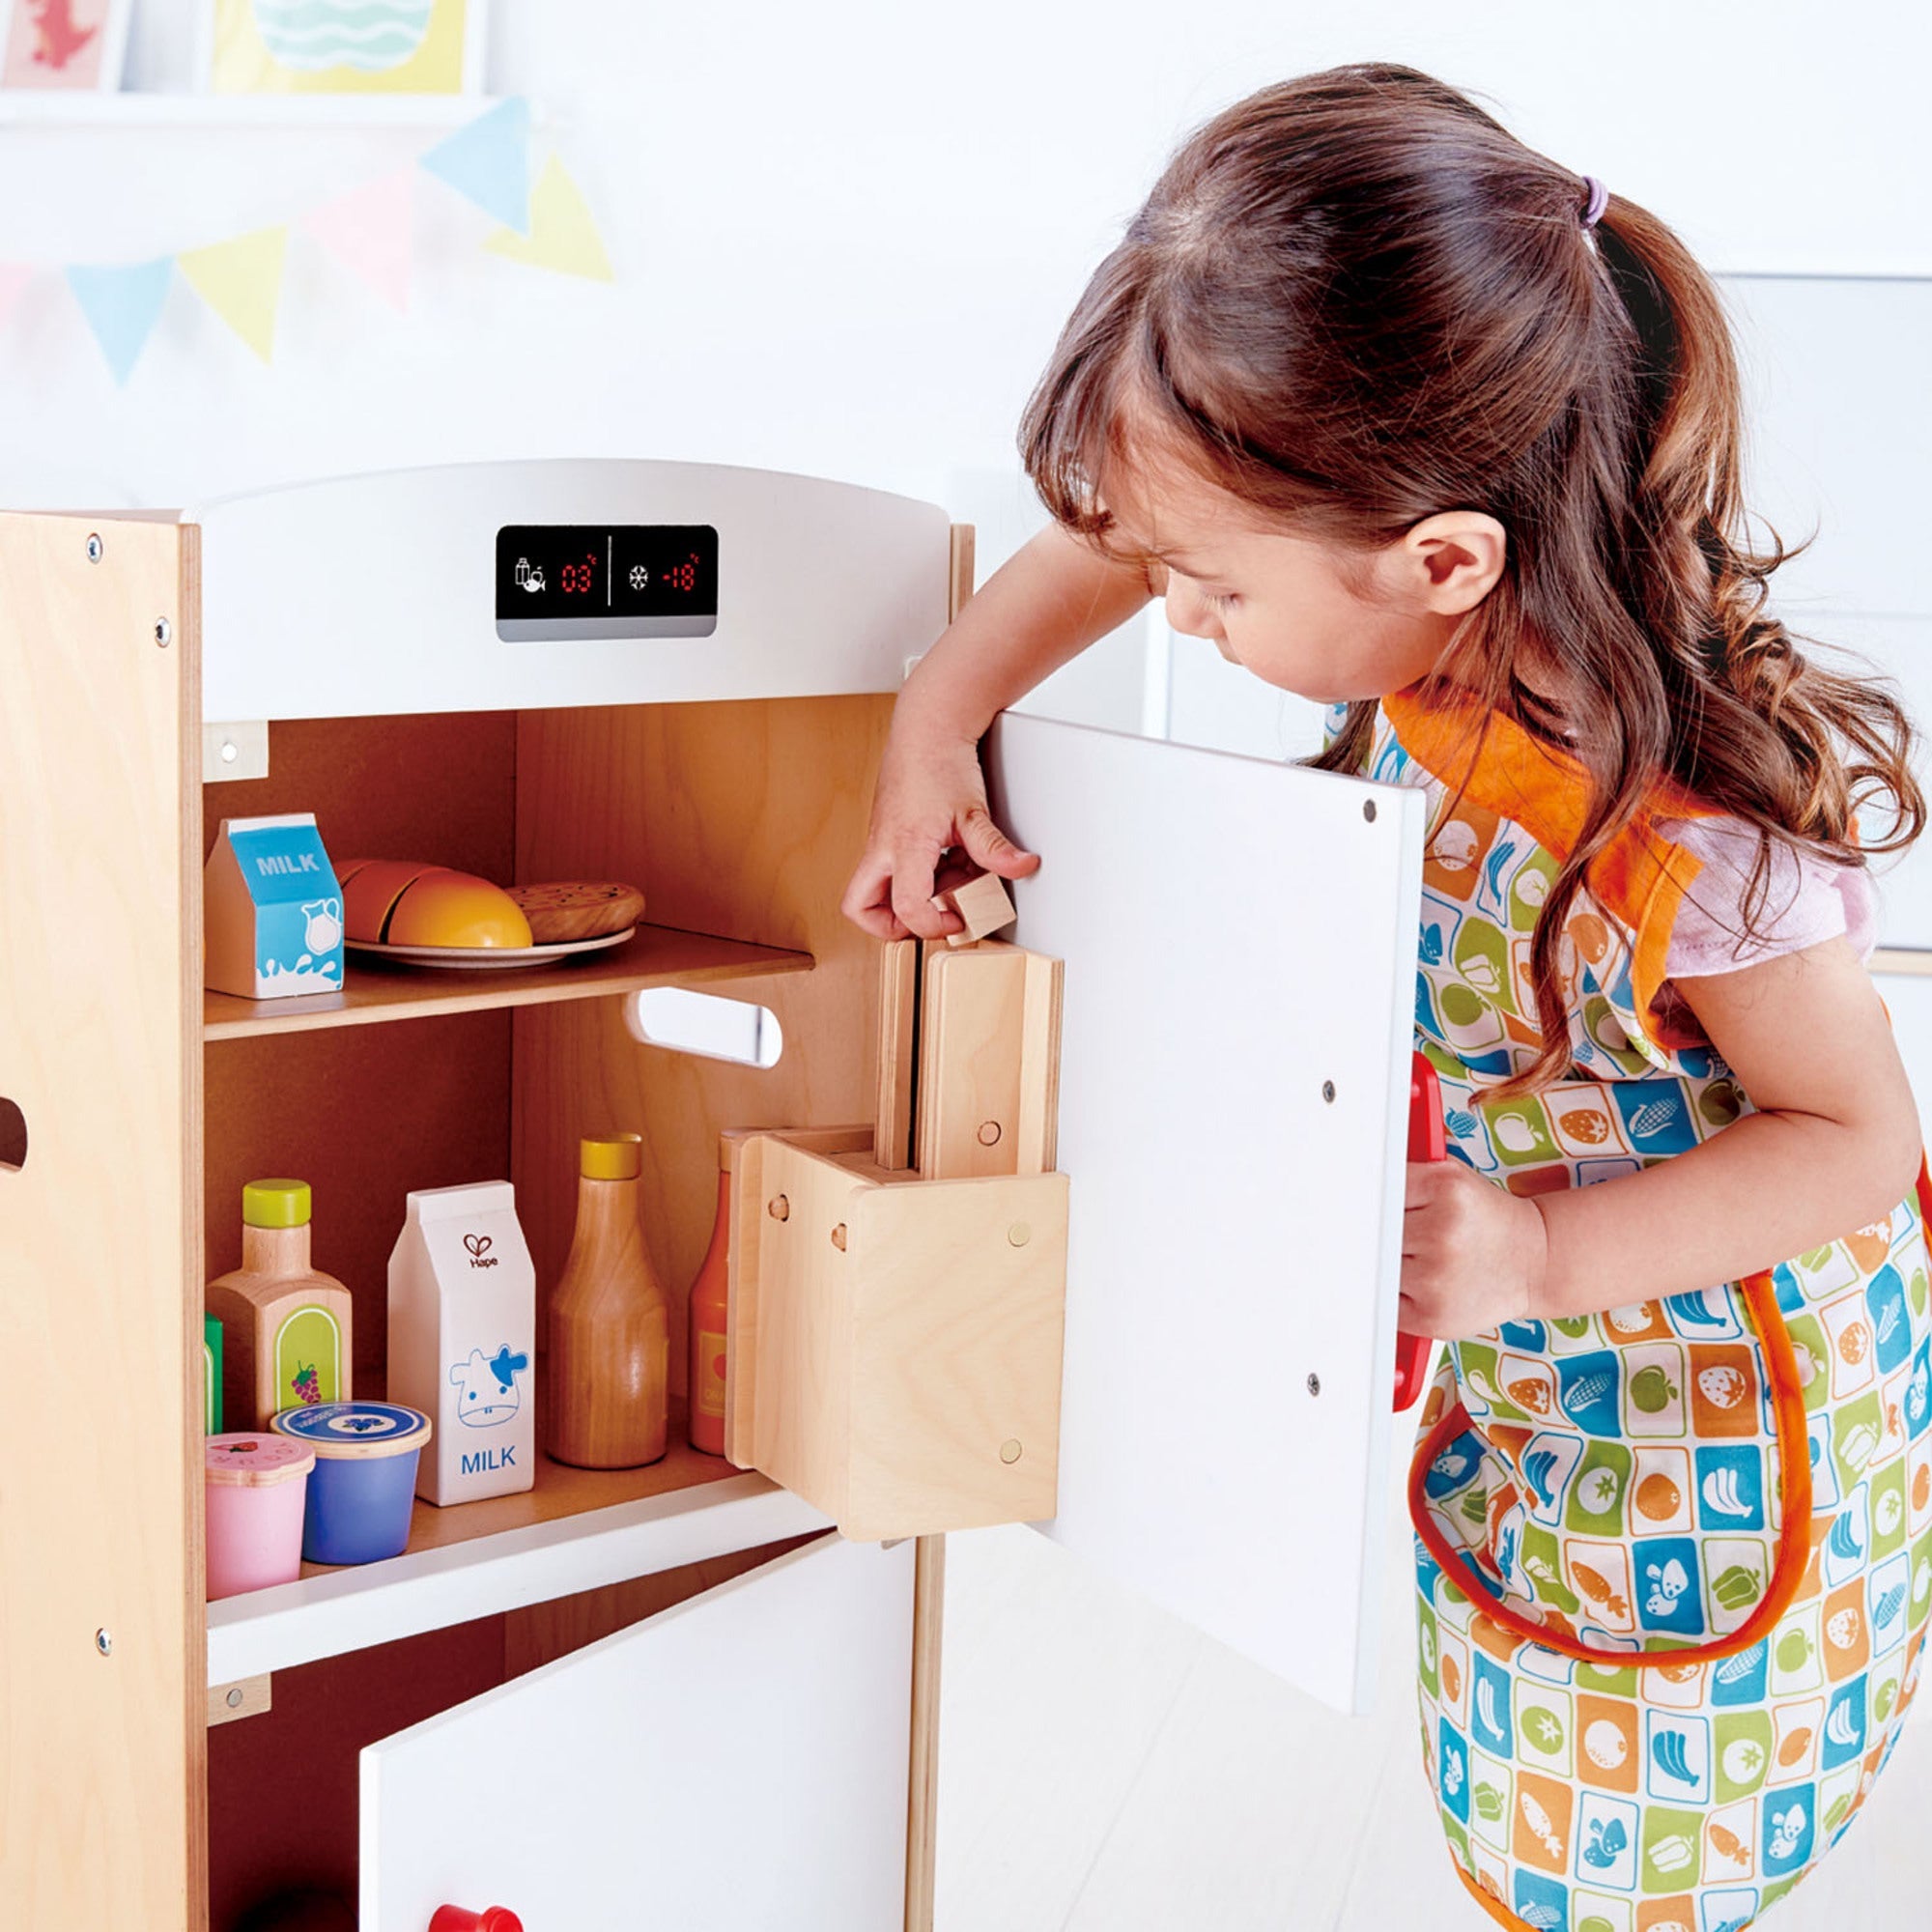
(930, 831)
(1472, 1256)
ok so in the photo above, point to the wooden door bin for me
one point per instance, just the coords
(896, 1340)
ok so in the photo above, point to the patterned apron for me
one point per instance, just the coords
(1675, 1560)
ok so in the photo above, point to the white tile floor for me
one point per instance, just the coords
(1103, 1769)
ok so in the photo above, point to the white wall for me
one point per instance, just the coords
(848, 232)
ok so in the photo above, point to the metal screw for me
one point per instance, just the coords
(235, 1697)
(165, 633)
(1019, 1235)
(95, 547)
(1314, 1384)
(1328, 1090)
(1009, 1452)
(103, 1642)
(839, 1238)
(780, 1209)
(1369, 809)
(989, 1134)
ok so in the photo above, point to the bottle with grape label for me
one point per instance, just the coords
(287, 1337)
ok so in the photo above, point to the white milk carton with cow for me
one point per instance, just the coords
(463, 1340)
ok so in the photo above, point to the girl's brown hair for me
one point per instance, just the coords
(1354, 301)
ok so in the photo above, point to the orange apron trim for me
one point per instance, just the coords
(1793, 1488)
(1488, 1901)
(1639, 876)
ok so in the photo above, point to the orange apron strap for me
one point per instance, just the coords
(1794, 1535)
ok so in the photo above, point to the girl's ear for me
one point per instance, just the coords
(1449, 563)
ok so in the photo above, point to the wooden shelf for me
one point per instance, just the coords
(96, 109)
(658, 956)
(578, 1529)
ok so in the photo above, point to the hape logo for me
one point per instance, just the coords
(479, 1246)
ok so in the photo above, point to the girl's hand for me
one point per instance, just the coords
(1472, 1256)
(930, 803)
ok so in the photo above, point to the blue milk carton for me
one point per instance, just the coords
(274, 910)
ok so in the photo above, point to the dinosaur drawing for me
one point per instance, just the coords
(58, 39)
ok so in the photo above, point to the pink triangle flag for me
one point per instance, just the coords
(14, 277)
(369, 231)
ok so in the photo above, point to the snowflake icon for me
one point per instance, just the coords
(639, 577)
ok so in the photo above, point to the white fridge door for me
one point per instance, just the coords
(1240, 946)
(735, 1763)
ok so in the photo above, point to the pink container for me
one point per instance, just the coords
(257, 1485)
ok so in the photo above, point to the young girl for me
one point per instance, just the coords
(1410, 419)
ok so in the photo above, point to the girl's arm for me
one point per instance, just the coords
(1833, 1147)
(1044, 606)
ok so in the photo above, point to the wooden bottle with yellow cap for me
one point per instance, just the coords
(609, 1356)
(286, 1328)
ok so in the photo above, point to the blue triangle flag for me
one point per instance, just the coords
(122, 304)
(489, 162)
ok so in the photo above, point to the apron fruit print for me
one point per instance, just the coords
(1674, 1560)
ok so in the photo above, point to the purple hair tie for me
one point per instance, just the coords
(1599, 199)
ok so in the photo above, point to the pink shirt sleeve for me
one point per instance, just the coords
(1806, 901)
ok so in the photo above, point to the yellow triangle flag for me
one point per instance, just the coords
(563, 236)
(241, 282)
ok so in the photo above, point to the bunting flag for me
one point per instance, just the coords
(122, 306)
(562, 235)
(14, 277)
(241, 282)
(369, 231)
(488, 161)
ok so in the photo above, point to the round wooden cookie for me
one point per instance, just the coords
(577, 909)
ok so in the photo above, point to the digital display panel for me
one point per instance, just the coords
(565, 580)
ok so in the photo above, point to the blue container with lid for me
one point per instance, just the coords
(363, 1486)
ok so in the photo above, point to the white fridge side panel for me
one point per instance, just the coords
(737, 1763)
(1240, 940)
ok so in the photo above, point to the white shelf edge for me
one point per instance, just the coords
(349, 1609)
(55, 107)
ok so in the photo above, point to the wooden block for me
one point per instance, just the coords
(918, 1360)
(982, 903)
(899, 1007)
(989, 1072)
(249, 1697)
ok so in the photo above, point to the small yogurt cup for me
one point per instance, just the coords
(364, 1484)
(257, 1484)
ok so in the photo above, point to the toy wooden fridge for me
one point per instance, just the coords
(1093, 1225)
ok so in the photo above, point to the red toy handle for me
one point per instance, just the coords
(492, 1919)
(1426, 1142)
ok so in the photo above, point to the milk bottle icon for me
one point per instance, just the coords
(324, 933)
